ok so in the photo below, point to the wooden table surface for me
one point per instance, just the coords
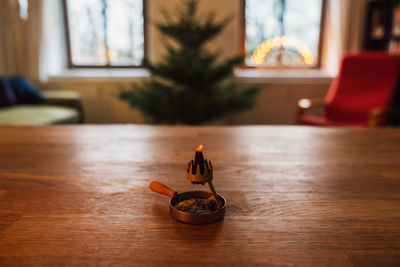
(296, 196)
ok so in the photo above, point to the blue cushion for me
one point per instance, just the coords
(24, 91)
(7, 96)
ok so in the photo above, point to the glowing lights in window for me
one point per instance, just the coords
(281, 42)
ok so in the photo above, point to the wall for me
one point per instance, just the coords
(276, 103)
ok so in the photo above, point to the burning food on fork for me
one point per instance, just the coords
(200, 171)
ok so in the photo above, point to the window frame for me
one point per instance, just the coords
(71, 65)
(242, 46)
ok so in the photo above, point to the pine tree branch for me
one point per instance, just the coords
(192, 89)
(184, 67)
(189, 31)
(224, 70)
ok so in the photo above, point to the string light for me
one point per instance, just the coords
(281, 41)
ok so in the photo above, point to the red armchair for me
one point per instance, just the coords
(359, 96)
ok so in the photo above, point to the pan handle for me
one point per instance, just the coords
(162, 189)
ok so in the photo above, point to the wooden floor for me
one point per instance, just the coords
(296, 196)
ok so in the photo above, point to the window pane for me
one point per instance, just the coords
(282, 33)
(106, 32)
(86, 32)
(125, 32)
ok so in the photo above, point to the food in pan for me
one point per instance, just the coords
(197, 205)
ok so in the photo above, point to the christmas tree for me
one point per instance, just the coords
(188, 86)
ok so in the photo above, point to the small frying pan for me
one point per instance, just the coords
(187, 217)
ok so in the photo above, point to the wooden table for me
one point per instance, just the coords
(296, 196)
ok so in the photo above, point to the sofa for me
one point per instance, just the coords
(19, 107)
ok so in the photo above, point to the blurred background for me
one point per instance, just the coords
(79, 55)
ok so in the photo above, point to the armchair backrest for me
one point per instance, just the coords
(365, 81)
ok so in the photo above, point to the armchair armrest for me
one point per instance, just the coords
(69, 99)
(375, 115)
(305, 104)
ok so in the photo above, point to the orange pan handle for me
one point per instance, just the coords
(162, 189)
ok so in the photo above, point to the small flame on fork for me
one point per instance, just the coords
(200, 148)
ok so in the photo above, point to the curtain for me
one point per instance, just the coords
(8, 18)
(343, 31)
(21, 41)
(33, 43)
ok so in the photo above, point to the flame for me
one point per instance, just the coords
(200, 148)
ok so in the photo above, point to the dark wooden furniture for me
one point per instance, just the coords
(78, 195)
(378, 24)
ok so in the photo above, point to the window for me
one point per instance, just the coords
(105, 33)
(283, 33)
